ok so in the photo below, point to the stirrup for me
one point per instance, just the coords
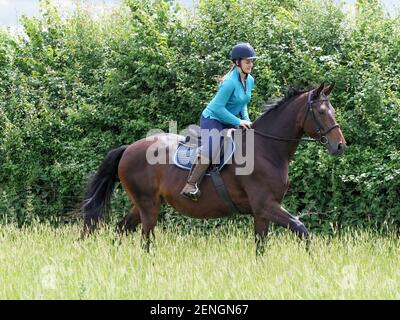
(193, 195)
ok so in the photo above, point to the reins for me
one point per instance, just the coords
(284, 139)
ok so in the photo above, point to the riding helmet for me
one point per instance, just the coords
(243, 50)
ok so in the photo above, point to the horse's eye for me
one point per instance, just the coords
(321, 112)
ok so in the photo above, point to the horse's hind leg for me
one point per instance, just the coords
(130, 222)
(149, 208)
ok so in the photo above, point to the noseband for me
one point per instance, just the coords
(320, 129)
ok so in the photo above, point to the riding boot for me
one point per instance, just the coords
(191, 189)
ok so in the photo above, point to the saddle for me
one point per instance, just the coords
(190, 148)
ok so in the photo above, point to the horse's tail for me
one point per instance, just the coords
(100, 187)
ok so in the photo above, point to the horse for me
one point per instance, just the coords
(277, 134)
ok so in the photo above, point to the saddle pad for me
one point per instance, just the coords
(186, 154)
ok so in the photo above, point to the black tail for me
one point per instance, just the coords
(100, 188)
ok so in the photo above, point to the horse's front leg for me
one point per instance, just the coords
(261, 231)
(276, 213)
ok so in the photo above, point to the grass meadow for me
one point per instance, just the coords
(44, 262)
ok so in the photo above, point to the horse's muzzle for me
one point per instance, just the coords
(338, 149)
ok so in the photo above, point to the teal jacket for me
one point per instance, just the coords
(230, 103)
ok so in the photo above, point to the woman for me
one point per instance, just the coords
(228, 109)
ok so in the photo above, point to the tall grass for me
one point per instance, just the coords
(43, 262)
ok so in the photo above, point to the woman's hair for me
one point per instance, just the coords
(219, 79)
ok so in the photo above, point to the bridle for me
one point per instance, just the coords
(320, 129)
(322, 133)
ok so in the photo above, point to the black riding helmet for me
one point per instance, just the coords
(243, 50)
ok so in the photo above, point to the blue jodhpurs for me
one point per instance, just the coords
(211, 138)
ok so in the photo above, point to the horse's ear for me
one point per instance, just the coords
(329, 88)
(318, 91)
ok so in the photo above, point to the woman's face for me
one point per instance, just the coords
(247, 65)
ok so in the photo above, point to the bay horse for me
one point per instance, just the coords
(277, 134)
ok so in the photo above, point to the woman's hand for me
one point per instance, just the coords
(245, 124)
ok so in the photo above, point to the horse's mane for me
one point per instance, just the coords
(276, 103)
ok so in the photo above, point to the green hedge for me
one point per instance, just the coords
(72, 89)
